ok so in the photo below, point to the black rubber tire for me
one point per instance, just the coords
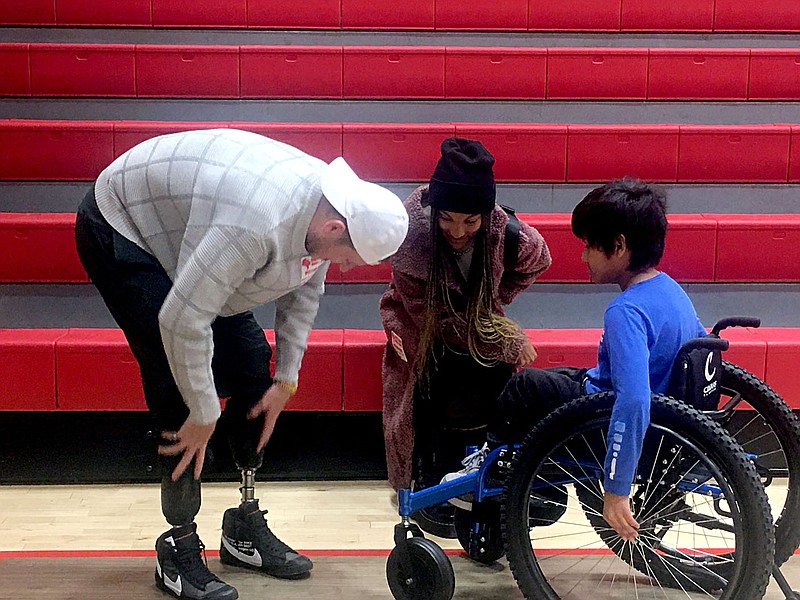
(432, 576)
(750, 573)
(786, 427)
(490, 546)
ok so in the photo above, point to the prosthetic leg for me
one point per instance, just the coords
(247, 541)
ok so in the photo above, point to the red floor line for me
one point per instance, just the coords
(214, 553)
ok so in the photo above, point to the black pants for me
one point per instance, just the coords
(452, 412)
(529, 397)
(134, 286)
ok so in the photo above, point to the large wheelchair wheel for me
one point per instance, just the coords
(769, 429)
(705, 522)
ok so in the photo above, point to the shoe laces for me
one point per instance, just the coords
(265, 536)
(475, 460)
(194, 564)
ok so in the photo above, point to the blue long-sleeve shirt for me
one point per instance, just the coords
(643, 329)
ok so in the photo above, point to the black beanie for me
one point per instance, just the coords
(463, 180)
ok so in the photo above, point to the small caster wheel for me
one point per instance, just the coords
(426, 575)
(479, 532)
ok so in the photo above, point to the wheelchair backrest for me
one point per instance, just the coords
(697, 373)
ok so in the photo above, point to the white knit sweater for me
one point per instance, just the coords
(226, 213)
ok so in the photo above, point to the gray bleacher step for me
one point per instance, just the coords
(355, 306)
(400, 111)
(528, 198)
(76, 35)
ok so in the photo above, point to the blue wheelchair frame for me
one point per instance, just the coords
(475, 484)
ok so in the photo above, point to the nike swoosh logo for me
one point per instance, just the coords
(175, 585)
(710, 375)
(253, 559)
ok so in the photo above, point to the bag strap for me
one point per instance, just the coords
(511, 247)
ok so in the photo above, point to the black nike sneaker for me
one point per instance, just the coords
(181, 569)
(248, 542)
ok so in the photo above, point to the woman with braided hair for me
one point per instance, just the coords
(450, 347)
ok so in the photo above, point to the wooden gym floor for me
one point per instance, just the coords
(96, 542)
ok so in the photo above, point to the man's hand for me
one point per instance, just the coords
(191, 440)
(270, 405)
(617, 513)
(527, 354)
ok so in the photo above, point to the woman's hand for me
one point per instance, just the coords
(270, 405)
(527, 354)
(190, 440)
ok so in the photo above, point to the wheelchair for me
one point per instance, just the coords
(706, 527)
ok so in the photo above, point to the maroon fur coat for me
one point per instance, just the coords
(403, 308)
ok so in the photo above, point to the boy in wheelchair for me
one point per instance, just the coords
(623, 225)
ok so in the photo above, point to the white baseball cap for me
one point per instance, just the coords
(376, 218)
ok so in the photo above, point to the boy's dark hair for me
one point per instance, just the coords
(628, 207)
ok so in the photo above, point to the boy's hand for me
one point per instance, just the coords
(617, 513)
(527, 354)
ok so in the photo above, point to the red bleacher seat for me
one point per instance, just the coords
(387, 14)
(700, 248)
(523, 152)
(291, 71)
(587, 15)
(562, 347)
(675, 15)
(565, 248)
(747, 349)
(194, 71)
(107, 70)
(114, 13)
(783, 358)
(83, 70)
(482, 14)
(27, 368)
(689, 256)
(393, 151)
(729, 153)
(39, 248)
(55, 150)
(129, 133)
(47, 369)
(16, 69)
(363, 354)
(30, 12)
(191, 13)
(279, 14)
(323, 140)
(320, 382)
(367, 274)
(95, 370)
(698, 73)
(46, 150)
(794, 155)
(597, 73)
(774, 74)
(691, 247)
(495, 73)
(603, 152)
(766, 15)
(754, 247)
(566, 15)
(405, 72)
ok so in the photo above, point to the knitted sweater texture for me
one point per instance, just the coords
(226, 213)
